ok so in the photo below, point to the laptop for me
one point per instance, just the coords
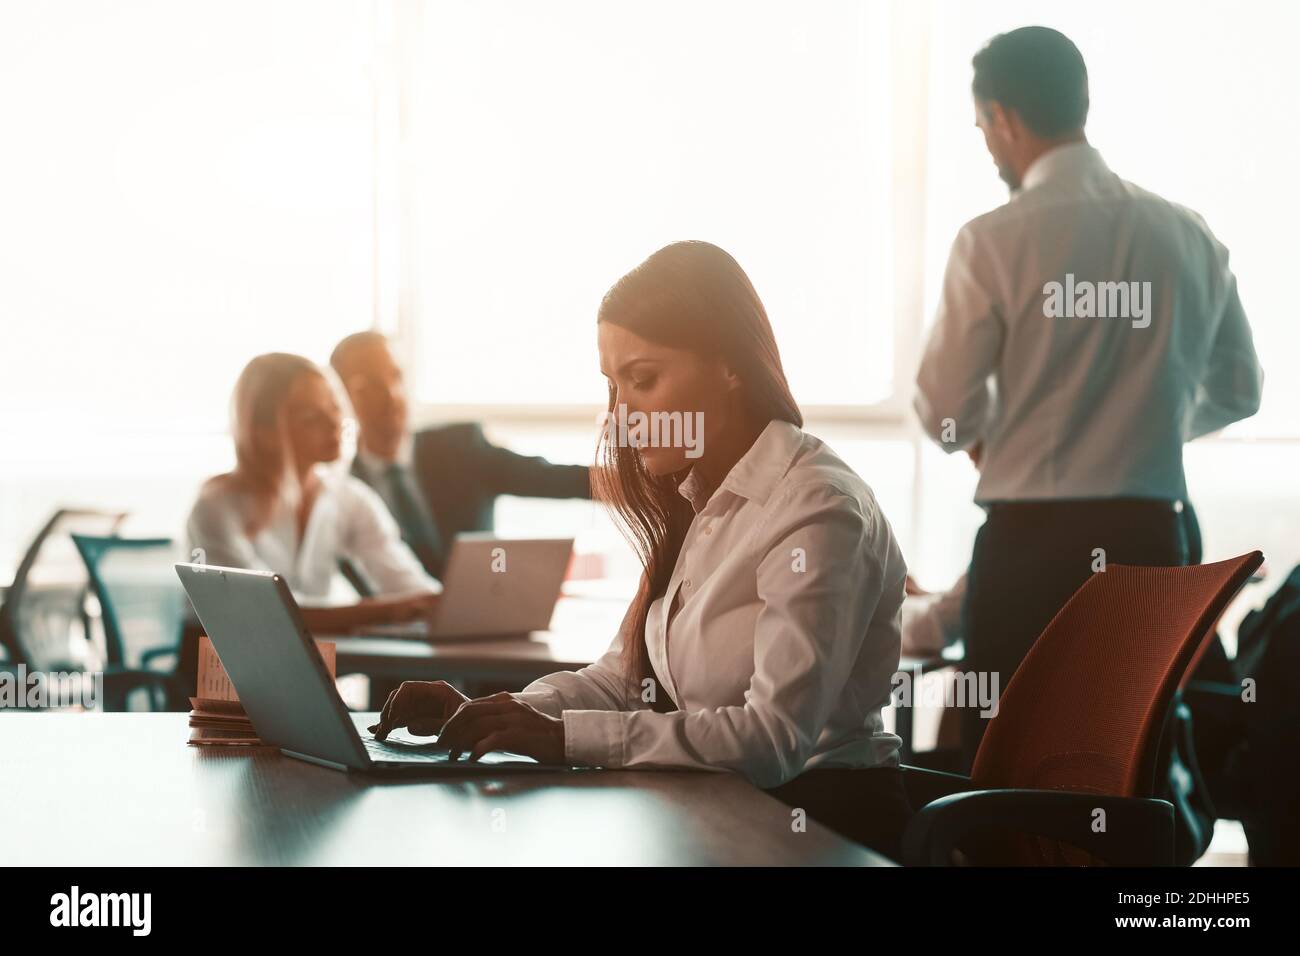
(253, 622)
(493, 587)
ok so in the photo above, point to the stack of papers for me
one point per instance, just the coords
(220, 723)
(217, 718)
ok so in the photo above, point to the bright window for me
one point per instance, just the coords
(559, 144)
(183, 185)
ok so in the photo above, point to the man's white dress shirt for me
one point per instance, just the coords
(782, 651)
(347, 520)
(1085, 407)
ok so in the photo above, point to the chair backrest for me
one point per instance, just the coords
(1211, 638)
(141, 601)
(45, 596)
(1086, 709)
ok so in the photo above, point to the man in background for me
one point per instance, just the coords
(1086, 330)
(439, 481)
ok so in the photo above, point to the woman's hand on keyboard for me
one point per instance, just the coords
(422, 707)
(502, 722)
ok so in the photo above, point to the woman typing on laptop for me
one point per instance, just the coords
(765, 632)
(283, 509)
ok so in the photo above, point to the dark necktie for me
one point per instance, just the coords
(419, 530)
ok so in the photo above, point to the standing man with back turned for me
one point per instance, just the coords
(1086, 330)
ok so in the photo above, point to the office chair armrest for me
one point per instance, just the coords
(149, 656)
(924, 786)
(1139, 832)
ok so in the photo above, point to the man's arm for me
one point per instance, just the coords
(509, 473)
(1233, 382)
(953, 393)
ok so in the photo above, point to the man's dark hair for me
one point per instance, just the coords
(1037, 72)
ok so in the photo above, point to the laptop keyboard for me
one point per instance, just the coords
(429, 753)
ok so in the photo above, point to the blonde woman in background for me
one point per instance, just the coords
(283, 509)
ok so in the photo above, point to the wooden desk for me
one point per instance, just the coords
(124, 789)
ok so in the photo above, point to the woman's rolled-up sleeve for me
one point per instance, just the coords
(598, 686)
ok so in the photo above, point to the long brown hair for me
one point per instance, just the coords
(694, 296)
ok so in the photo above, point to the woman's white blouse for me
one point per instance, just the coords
(347, 520)
(783, 649)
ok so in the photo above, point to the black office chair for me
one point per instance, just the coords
(45, 603)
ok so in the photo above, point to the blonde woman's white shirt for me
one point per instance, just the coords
(348, 520)
(782, 652)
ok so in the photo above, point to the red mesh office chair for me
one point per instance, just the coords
(1079, 730)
